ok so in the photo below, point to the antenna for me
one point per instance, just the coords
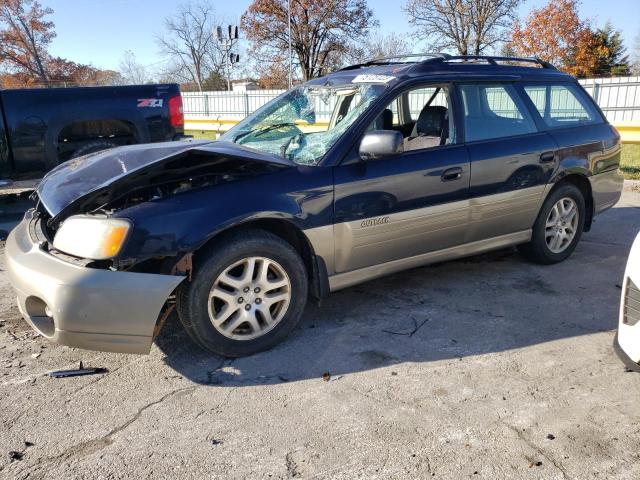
(227, 43)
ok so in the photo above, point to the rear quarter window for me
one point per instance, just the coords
(562, 106)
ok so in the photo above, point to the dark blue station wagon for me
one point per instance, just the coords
(373, 169)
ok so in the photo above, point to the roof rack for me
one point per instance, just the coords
(395, 59)
(445, 57)
(493, 60)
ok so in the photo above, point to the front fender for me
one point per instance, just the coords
(183, 222)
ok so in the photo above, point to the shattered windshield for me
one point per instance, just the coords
(303, 123)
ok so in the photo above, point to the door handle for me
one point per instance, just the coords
(547, 157)
(451, 174)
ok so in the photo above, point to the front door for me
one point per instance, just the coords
(411, 203)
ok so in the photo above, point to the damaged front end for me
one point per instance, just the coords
(108, 184)
(88, 268)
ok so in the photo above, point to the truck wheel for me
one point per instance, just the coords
(558, 227)
(247, 294)
(93, 147)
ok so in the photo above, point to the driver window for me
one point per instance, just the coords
(423, 117)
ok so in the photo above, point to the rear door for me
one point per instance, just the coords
(511, 161)
(408, 204)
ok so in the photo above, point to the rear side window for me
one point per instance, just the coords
(562, 105)
(494, 111)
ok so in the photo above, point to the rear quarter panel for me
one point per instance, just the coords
(593, 151)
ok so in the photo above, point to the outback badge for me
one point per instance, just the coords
(374, 221)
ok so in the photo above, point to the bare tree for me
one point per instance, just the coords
(189, 43)
(131, 71)
(320, 31)
(377, 45)
(468, 27)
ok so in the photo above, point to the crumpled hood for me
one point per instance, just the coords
(78, 180)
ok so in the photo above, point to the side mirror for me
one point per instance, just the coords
(380, 144)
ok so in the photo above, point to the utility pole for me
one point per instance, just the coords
(226, 44)
(290, 49)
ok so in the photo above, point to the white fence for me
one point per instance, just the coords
(225, 105)
(618, 97)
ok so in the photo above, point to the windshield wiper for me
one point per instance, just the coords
(263, 130)
(283, 149)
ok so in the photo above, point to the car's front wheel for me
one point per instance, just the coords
(247, 294)
(558, 227)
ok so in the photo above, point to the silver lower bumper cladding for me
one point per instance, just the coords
(85, 307)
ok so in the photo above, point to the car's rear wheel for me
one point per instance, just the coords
(558, 227)
(247, 294)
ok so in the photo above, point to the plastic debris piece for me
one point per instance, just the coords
(78, 372)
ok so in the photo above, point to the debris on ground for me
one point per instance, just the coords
(326, 376)
(551, 436)
(410, 333)
(77, 372)
(15, 455)
(35, 355)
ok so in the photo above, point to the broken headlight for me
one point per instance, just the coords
(94, 238)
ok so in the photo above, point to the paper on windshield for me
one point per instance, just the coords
(370, 78)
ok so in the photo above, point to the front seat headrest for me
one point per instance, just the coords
(430, 122)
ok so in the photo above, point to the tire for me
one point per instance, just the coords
(93, 147)
(230, 258)
(540, 248)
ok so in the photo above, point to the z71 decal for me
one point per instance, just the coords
(150, 102)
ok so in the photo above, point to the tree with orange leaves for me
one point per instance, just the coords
(320, 31)
(557, 34)
(25, 35)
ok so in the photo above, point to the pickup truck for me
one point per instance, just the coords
(41, 128)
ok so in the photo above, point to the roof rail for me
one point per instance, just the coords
(445, 57)
(493, 60)
(407, 58)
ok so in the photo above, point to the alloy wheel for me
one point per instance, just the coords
(561, 225)
(249, 298)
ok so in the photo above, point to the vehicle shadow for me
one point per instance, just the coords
(481, 305)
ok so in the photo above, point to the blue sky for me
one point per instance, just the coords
(99, 31)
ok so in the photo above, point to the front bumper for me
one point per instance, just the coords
(84, 307)
(622, 355)
(627, 341)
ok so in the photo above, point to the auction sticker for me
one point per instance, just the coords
(368, 78)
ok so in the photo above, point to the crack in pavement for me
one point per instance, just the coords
(91, 446)
(536, 448)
